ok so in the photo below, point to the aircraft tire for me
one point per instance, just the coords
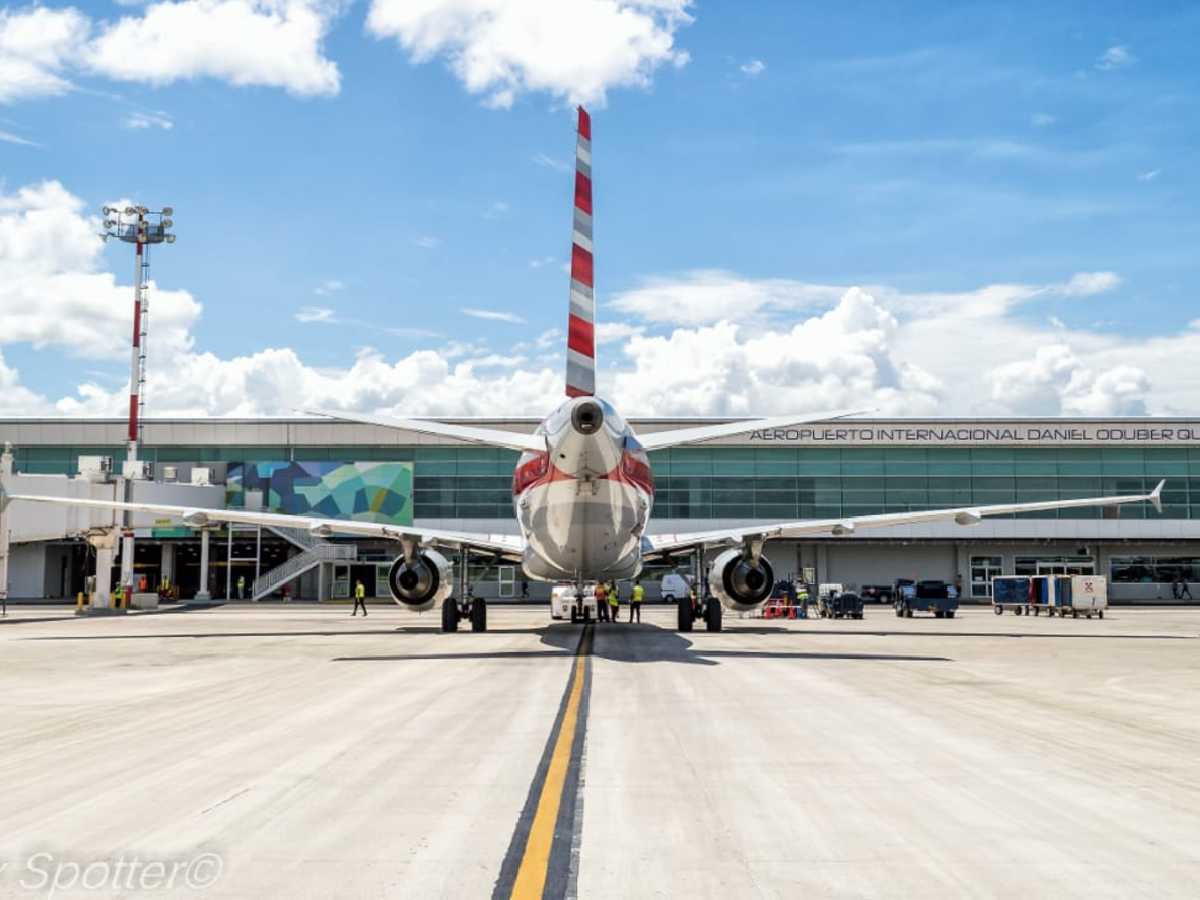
(998, 609)
(686, 615)
(908, 612)
(449, 614)
(1100, 613)
(479, 614)
(712, 616)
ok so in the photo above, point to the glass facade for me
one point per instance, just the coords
(758, 482)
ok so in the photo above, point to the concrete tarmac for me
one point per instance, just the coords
(298, 752)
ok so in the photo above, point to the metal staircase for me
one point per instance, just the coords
(314, 552)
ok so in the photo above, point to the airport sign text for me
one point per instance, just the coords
(1102, 433)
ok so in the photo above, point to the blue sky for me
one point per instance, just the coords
(934, 151)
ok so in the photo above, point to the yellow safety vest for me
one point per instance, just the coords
(639, 593)
(613, 598)
(359, 591)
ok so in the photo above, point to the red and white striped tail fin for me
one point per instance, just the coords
(581, 335)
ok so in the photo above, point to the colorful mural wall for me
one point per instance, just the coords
(362, 491)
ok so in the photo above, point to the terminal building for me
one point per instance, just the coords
(827, 470)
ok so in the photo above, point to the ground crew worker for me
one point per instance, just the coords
(360, 598)
(118, 596)
(241, 587)
(802, 599)
(694, 600)
(614, 601)
(635, 601)
(601, 595)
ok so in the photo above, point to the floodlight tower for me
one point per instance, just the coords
(141, 227)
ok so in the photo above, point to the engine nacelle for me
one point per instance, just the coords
(738, 583)
(427, 581)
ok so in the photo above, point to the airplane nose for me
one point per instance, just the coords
(587, 417)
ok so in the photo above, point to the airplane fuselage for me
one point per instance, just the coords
(584, 501)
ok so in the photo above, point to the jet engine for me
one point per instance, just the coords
(424, 582)
(740, 583)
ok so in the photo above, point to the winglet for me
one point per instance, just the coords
(1156, 496)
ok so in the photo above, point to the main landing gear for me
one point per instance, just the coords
(474, 609)
(471, 608)
(710, 610)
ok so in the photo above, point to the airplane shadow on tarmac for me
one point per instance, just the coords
(639, 644)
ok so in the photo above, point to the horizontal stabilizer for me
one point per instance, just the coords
(674, 437)
(492, 437)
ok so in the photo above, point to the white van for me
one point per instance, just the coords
(674, 587)
(563, 606)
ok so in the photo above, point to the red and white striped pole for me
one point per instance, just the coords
(135, 368)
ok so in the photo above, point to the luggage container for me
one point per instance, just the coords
(1056, 594)
(1089, 596)
(1011, 592)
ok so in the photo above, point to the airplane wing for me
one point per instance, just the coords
(492, 437)
(964, 515)
(506, 545)
(673, 438)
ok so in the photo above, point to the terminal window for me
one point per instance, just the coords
(1153, 569)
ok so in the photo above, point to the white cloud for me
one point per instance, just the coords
(273, 43)
(36, 45)
(753, 68)
(276, 380)
(576, 50)
(1149, 176)
(786, 347)
(142, 120)
(15, 399)
(1041, 120)
(1054, 381)
(542, 261)
(329, 286)
(549, 162)
(492, 315)
(1115, 57)
(710, 295)
(611, 332)
(322, 314)
(496, 210)
(9, 138)
(843, 357)
(1085, 284)
(426, 242)
(52, 292)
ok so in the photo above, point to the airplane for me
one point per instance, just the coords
(583, 489)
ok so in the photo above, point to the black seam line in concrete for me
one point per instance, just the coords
(562, 868)
(132, 614)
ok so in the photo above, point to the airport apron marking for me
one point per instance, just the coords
(542, 858)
